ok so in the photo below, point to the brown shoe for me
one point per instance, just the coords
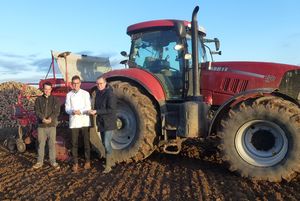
(75, 168)
(87, 165)
(107, 170)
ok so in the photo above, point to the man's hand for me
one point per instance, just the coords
(47, 121)
(92, 112)
(76, 112)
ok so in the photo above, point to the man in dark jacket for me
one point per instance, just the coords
(105, 108)
(47, 109)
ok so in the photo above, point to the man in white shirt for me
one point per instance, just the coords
(78, 104)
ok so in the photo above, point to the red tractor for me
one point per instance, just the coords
(171, 92)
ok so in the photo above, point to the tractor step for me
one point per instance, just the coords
(171, 146)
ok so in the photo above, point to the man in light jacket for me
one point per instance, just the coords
(77, 105)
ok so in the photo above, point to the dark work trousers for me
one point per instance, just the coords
(86, 138)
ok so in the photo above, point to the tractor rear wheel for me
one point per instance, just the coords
(261, 140)
(137, 121)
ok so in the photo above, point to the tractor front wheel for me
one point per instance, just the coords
(137, 121)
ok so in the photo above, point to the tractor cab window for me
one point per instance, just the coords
(201, 51)
(189, 72)
(155, 52)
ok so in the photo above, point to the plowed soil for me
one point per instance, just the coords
(195, 174)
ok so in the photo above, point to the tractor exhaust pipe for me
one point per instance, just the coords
(195, 58)
(193, 122)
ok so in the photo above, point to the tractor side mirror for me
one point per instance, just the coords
(124, 54)
(217, 43)
(123, 61)
(216, 52)
(215, 40)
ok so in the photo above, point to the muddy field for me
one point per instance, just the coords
(194, 174)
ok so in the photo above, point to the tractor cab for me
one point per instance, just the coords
(164, 48)
(155, 52)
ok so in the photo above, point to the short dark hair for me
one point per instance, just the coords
(47, 83)
(75, 77)
(101, 77)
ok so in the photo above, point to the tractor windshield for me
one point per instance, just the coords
(155, 52)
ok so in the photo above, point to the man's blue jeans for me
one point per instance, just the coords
(44, 134)
(106, 137)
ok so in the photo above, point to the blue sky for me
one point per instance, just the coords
(256, 30)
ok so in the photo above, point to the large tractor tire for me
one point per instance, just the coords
(135, 138)
(261, 139)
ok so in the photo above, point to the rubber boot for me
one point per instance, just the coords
(109, 163)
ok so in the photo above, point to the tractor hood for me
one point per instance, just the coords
(225, 79)
(265, 70)
(264, 73)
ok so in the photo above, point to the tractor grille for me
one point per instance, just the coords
(234, 85)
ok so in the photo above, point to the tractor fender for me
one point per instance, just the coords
(141, 77)
(237, 99)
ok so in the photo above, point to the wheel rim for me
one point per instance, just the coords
(261, 143)
(126, 126)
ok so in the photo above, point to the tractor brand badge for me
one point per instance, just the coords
(269, 78)
(218, 68)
